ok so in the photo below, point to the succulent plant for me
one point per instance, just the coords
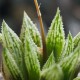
(23, 57)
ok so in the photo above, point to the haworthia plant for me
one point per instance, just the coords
(23, 56)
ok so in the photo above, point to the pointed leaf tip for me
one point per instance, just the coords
(55, 38)
(68, 47)
(25, 15)
(76, 40)
(49, 62)
(58, 10)
(4, 23)
(34, 33)
(24, 12)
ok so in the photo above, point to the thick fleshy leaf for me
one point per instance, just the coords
(76, 40)
(0, 37)
(55, 38)
(5, 70)
(10, 63)
(68, 47)
(34, 33)
(28, 24)
(12, 42)
(70, 64)
(31, 59)
(49, 62)
(52, 73)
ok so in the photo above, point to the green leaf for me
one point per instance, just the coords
(70, 64)
(76, 40)
(12, 42)
(55, 38)
(9, 61)
(5, 69)
(34, 33)
(0, 37)
(31, 59)
(52, 73)
(68, 47)
(28, 24)
(49, 62)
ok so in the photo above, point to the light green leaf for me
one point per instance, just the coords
(31, 59)
(12, 42)
(49, 62)
(55, 39)
(28, 24)
(68, 47)
(34, 33)
(70, 63)
(76, 40)
(9, 61)
(5, 69)
(52, 73)
(0, 37)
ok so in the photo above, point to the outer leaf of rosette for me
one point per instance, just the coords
(10, 68)
(14, 45)
(11, 41)
(28, 24)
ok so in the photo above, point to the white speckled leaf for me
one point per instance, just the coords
(28, 24)
(52, 73)
(12, 42)
(55, 38)
(70, 63)
(49, 62)
(68, 47)
(76, 40)
(11, 65)
(31, 59)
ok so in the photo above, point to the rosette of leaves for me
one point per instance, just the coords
(23, 56)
